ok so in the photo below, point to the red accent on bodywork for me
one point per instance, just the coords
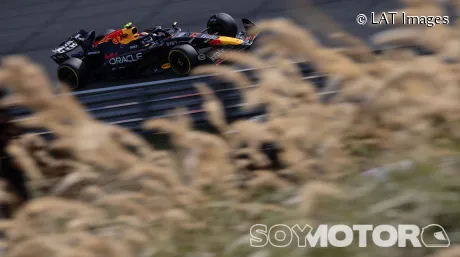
(115, 36)
(215, 42)
(249, 38)
(110, 56)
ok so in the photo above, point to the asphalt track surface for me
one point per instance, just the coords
(34, 27)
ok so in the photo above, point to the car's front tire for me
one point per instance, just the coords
(74, 73)
(183, 59)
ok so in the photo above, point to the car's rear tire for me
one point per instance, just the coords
(74, 73)
(183, 58)
(223, 24)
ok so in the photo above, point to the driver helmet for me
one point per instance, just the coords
(130, 32)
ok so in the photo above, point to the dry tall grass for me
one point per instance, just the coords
(100, 190)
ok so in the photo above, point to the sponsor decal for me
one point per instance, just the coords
(215, 42)
(201, 57)
(68, 46)
(208, 36)
(133, 47)
(227, 41)
(250, 38)
(126, 59)
(60, 57)
(172, 43)
(202, 35)
(79, 37)
(182, 34)
(93, 53)
(217, 54)
(110, 56)
(166, 66)
(116, 37)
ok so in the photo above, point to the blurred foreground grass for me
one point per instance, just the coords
(100, 190)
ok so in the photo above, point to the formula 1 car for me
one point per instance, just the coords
(127, 53)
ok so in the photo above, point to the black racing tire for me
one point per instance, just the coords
(183, 58)
(223, 24)
(74, 73)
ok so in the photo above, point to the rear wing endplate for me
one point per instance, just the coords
(70, 44)
(59, 53)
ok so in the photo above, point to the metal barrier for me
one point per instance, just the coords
(130, 105)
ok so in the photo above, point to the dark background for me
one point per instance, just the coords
(34, 27)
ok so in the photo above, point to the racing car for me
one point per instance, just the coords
(128, 53)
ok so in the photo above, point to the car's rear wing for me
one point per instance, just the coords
(248, 25)
(77, 39)
(249, 39)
